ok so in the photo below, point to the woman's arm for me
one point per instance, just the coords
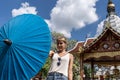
(51, 53)
(70, 72)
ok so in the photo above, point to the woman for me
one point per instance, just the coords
(62, 62)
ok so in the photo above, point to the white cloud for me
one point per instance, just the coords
(24, 9)
(100, 28)
(72, 14)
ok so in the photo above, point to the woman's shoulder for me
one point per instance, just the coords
(71, 58)
(71, 55)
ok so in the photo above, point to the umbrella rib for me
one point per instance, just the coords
(4, 69)
(20, 64)
(15, 70)
(41, 50)
(33, 36)
(38, 66)
(9, 56)
(24, 58)
(2, 57)
(2, 35)
(29, 55)
(5, 31)
(31, 41)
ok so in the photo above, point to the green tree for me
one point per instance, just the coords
(87, 70)
(76, 68)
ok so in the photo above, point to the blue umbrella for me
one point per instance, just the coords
(24, 46)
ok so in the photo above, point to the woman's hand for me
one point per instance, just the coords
(51, 53)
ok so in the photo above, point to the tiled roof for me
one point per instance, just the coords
(77, 46)
(81, 44)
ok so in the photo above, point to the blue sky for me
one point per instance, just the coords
(74, 18)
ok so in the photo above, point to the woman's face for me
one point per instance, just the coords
(61, 45)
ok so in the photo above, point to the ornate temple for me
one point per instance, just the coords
(104, 49)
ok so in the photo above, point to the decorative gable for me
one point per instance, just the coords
(109, 41)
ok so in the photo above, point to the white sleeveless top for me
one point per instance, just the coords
(64, 63)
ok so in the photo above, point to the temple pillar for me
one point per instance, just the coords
(92, 69)
(81, 67)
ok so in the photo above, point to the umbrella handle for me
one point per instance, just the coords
(7, 41)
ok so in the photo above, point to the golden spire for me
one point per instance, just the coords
(110, 4)
(110, 7)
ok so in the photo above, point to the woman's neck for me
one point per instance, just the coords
(63, 51)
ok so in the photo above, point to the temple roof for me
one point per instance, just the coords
(113, 21)
(92, 41)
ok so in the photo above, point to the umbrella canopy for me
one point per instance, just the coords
(24, 46)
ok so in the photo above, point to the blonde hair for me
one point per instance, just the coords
(61, 38)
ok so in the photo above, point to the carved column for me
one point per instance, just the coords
(92, 69)
(81, 67)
